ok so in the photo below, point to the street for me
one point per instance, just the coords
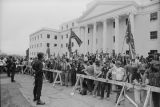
(58, 96)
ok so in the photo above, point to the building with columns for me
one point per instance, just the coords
(102, 27)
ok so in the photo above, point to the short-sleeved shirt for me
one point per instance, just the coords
(90, 70)
(38, 66)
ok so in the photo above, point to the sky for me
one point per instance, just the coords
(20, 18)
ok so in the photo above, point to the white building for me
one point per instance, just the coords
(41, 38)
(103, 27)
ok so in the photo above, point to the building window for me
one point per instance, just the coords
(55, 45)
(62, 27)
(72, 24)
(72, 44)
(62, 36)
(40, 44)
(38, 37)
(153, 51)
(66, 35)
(66, 44)
(48, 35)
(126, 21)
(153, 35)
(47, 44)
(37, 45)
(61, 45)
(113, 39)
(41, 35)
(153, 16)
(96, 41)
(55, 37)
(113, 24)
(88, 30)
(35, 38)
(88, 42)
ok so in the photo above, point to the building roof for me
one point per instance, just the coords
(118, 4)
(45, 29)
(105, 3)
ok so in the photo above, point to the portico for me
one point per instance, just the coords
(106, 31)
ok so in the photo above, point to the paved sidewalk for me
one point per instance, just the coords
(59, 96)
(11, 96)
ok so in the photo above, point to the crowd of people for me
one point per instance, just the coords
(119, 68)
(8, 65)
(139, 71)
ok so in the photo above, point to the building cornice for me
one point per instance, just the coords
(126, 3)
(151, 3)
(105, 13)
(66, 30)
(45, 29)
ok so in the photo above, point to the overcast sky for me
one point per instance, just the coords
(20, 18)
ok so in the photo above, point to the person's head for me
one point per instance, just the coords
(13, 59)
(97, 63)
(40, 56)
(67, 60)
(118, 63)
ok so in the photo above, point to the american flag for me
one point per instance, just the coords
(130, 40)
(74, 36)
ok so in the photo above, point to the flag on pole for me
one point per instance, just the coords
(74, 36)
(130, 40)
(69, 45)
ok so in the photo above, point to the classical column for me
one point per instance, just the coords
(86, 39)
(117, 35)
(94, 37)
(104, 35)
